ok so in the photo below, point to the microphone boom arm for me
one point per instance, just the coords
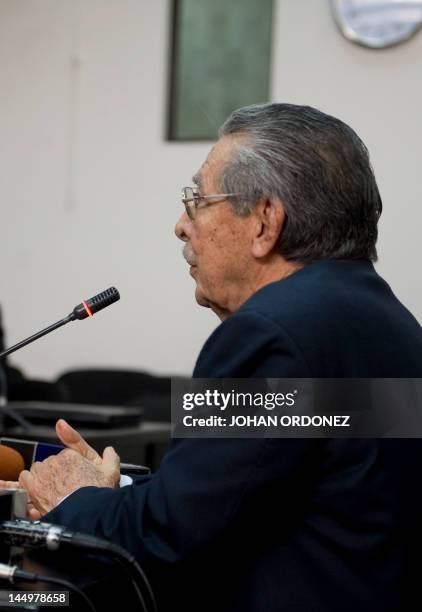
(34, 337)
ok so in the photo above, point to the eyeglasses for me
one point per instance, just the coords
(191, 198)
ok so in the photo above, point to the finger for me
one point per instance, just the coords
(33, 513)
(31, 510)
(73, 439)
(26, 480)
(9, 484)
(111, 460)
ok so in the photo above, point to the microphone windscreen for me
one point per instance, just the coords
(11, 463)
(89, 307)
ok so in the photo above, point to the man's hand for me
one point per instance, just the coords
(47, 483)
(73, 440)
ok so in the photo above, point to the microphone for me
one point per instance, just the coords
(11, 463)
(37, 534)
(85, 309)
(14, 574)
(89, 307)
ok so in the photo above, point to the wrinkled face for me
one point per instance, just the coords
(218, 243)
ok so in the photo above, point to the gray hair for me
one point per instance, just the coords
(320, 170)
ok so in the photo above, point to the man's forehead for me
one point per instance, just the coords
(220, 153)
(209, 165)
(197, 178)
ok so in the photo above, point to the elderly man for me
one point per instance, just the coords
(280, 232)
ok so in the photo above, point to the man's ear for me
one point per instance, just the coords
(269, 222)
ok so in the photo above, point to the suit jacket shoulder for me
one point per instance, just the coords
(332, 318)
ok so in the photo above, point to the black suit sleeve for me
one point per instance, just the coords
(203, 486)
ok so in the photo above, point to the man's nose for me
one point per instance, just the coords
(183, 227)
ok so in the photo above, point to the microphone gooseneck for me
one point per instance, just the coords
(86, 309)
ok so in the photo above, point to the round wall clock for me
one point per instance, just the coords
(378, 23)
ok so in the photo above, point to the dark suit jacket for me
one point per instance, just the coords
(281, 524)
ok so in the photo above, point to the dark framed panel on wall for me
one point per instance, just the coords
(220, 60)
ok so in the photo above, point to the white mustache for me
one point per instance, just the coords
(189, 255)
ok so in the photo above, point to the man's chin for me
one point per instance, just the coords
(201, 299)
(221, 313)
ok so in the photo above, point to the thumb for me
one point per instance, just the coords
(73, 439)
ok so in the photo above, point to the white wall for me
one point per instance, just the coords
(90, 190)
(379, 93)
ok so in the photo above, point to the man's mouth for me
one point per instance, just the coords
(189, 255)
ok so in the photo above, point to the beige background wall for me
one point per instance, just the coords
(90, 190)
